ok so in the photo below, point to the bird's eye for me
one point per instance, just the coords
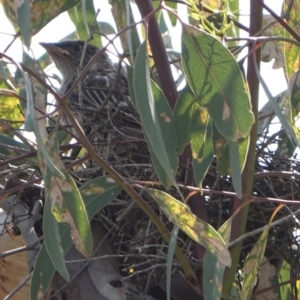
(77, 48)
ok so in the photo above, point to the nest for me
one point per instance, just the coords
(117, 137)
(119, 140)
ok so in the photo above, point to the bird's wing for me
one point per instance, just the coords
(98, 90)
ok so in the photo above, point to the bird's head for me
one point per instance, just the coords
(67, 57)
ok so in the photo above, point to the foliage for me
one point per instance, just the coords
(197, 111)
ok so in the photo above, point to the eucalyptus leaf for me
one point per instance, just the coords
(52, 241)
(23, 15)
(217, 82)
(83, 16)
(96, 194)
(66, 202)
(41, 13)
(252, 263)
(213, 271)
(198, 230)
(156, 117)
(197, 131)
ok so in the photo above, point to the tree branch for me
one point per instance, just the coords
(240, 221)
(196, 202)
(159, 52)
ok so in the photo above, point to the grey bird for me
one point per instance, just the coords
(103, 80)
(100, 102)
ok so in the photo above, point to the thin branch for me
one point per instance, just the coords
(259, 230)
(16, 289)
(263, 39)
(250, 198)
(286, 26)
(21, 249)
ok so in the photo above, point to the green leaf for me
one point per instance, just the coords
(285, 147)
(265, 117)
(42, 275)
(133, 40)
(233, 31)
(43, 269)
(83, 16)
(235, 168)
(41, 12)
(156, 117)
(96, 194)
(52, 241)
(216, 80)
(201, 144)
(31, 124)
(13, 148)
(9, 107)
(40, 93)
(285, 275)
(201, 232)
(291, 51)
(222, 152)
(292, 96)
(170, 255)
(173, 6)
(243, 151)
(163, 176)
(213, 271)
(197, 131)
(162, 23)
(23, 15)
(3, 71)
(16, 148)
(252, 263)
(66, 202)
(118, 9)
(183, 115)
(106, 28)
(285, 122)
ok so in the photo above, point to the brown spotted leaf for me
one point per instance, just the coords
(213, 271)
(41, 12)
(9, 107)
(252, 263)
(291, 51)
(118, 9)
(198, 230)
(197, 131)
(67, 205)
(96, 194)
(222, 152)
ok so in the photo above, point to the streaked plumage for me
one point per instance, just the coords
(101, 102)
(103, 78)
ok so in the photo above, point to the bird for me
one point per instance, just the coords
(69, 56)
(101, 102)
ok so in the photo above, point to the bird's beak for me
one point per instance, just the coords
(55, 50)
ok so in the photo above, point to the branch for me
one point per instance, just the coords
(240, 221)
(196, 202)
(159, 52)
(280, 21)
